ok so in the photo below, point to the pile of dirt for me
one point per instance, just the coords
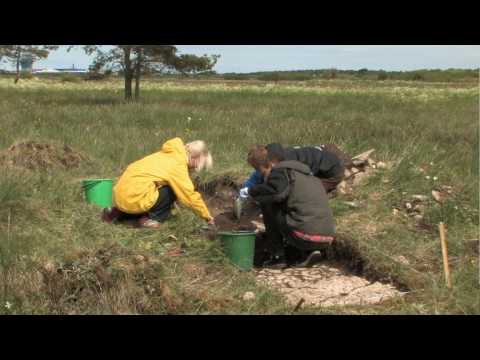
(33, 155)
(94, 276)
(358, 169)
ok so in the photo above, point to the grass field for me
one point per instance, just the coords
(44, 219)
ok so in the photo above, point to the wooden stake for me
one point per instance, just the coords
(299, 304)
(446, 268)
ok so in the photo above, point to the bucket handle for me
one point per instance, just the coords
(91, 184)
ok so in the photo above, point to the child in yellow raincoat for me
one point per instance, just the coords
(149, 187)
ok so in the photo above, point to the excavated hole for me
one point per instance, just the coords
(340, 278)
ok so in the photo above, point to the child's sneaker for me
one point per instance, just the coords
(314, 258)
(146, 222)
(109, 215)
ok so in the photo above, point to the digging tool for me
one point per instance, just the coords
(446, 268)
(237, 207)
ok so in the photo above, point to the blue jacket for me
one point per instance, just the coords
(254, 179)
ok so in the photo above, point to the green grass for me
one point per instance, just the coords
(44, 217)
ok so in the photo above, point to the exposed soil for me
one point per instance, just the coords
(219, 197)
(41, 156)
(326, 284)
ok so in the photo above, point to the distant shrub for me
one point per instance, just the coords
(235, 77)
(418, 77)
(270, 77)
(95, 76)
(330, 74)
(70, 78)
(300, 77)
(382, 75)
(362, 72)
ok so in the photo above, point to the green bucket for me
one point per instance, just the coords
(98, 191)
(239, 246)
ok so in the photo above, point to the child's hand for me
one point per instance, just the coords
(211, 221)
(244, 193)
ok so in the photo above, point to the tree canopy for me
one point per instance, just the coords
(136, 60)
(15, 53)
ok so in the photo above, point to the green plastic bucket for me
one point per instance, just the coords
(98, 191)
(239, 246)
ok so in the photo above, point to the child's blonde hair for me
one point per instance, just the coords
(198, 148)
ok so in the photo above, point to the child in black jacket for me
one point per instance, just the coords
(297, 217)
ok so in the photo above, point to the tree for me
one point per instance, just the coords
(15, 53)
(136, 60)
(192, 64)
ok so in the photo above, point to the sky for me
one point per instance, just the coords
(252, 58)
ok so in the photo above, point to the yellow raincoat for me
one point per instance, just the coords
(136, 190)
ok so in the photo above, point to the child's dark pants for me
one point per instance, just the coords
(279, 236)
(160, 211)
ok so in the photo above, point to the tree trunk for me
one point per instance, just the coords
(138, 72)
(128, 74)
(17, 74)
(137, 81)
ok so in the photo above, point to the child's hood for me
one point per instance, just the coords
(174, 146)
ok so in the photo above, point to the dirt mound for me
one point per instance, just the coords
(41, 156)
(112, 274)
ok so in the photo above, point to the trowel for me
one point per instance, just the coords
(237, 207)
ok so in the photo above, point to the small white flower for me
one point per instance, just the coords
(455, 207)
(189, 118)
(427, 177)
(8, 305)
(435, 178)
(431, 163)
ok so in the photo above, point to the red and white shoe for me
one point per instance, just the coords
(146, 222)
(109, 215)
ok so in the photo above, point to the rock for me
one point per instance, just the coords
(359, 162)
(347, 173)
(248, 296)
(371, 163)
(395, 212)
(448, 189)
(418, 217)
(139, 259)
(382, 165)
(364, 156)
(419, 208)
(402, 259)
(352, 204)
(50, 267)
(438, 196)
(361, 176)
(420, 197)
(342, 187)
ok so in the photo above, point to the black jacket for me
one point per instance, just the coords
(322, 162)
(302, 196)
